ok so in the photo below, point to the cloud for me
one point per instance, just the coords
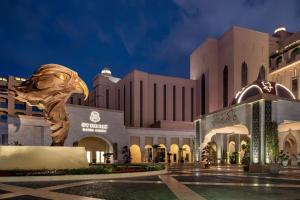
(133, 35)
(199, 20)
(102, 36)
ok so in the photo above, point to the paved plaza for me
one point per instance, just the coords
(182, 182)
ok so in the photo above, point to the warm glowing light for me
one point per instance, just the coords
(243, 93)
(279, 29)
(106, 72)
(88, 156)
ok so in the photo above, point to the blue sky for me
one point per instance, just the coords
(149, 35)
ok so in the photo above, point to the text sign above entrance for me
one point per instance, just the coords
(95, 126)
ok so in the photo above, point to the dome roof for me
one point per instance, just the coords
(106, 72)
(262, 87)
(279, 28)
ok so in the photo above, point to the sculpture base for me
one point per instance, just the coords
(257, 168)
(42, 157)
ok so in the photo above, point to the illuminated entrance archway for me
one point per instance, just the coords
(135, 153)
(174, 149)
(96, 147)
(237, 129)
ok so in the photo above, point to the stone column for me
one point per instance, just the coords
(219, 143)
(198, 141)
(238, 147)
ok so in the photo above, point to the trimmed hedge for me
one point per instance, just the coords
(94, 169)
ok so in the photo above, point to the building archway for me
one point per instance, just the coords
(96, 148)
(162, 153)
(186, 153)
(135, 153)
(174, 150)
(238, 129)
(290, 146)
(148, 156)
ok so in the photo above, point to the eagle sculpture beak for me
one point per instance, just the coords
(84, 89)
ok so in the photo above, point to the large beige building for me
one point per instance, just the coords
(245, 80)
(223, 66)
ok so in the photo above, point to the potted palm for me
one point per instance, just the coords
(298, 159)
(126, 154)
(246, 158)
(284, 158)
(155, 148)
(107, 157)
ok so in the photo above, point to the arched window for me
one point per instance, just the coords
(244, 75)
(225, 86)
(203, 94)
(278, 61)
(261, 73)
(294, 53)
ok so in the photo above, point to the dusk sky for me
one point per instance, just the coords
(155, 36)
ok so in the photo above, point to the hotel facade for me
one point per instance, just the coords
(234, 80)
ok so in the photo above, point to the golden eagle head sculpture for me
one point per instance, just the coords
(49, 89)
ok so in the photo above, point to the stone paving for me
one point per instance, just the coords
(181, 183)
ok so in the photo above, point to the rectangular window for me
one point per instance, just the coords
(124, 103)
(192, 104)
(107, 99)
(165, 102)
(295, 87)
(174, 102)
(119, 106)
(130, 104)
(183, 104)
(141, 103)
(154, 102)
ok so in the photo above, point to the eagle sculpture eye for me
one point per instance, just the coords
(49, 89)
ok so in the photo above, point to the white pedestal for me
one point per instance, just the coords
(42, 157)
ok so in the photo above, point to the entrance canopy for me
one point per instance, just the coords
(234, 129)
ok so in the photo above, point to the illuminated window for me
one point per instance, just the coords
(183, 103)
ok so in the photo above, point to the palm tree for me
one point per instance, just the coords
(155, 147)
